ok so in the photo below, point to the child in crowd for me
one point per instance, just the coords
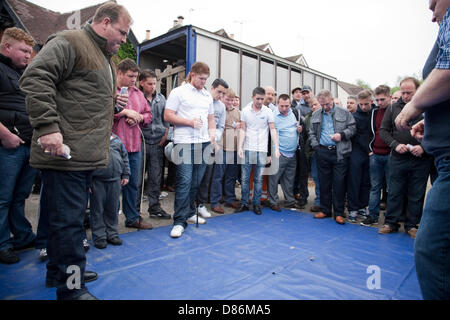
(105, 198)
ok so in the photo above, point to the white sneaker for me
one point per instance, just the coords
(203, 212)
(193, 219)
(177, 231)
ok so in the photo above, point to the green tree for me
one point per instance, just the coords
(363, 84)
(126, 51)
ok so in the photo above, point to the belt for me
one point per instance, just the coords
(328, 147)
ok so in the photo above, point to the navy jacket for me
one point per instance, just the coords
(13, 113)
(118, 167)
(362, 138)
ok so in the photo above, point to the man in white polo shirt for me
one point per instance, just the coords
(190, 110)
(256, 120)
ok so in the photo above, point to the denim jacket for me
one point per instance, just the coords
(154, 132)
(344, 123)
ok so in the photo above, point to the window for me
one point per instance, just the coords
(230, 67)
(318, 84)
(308, 79)
(296, 79)
(208, 52)
(282, 79)
(249, 77)
(267, 73)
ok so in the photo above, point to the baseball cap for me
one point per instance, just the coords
(296, 88)
(307, 88)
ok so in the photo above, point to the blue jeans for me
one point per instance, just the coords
(315, 176)
(66, 197)
(258, 160)
(16, 181)
(433, 238)
(379, 170)
(227, 171)
(130, 191)
(189, 176)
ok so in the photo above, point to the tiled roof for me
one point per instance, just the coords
(41, 22)
(351, 89)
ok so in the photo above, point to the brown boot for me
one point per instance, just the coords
(218, 210)
(386, 229)
(412, 232)
(275, 207)
(340, 220)
(320, 215)
(141, 225)
(234, 205)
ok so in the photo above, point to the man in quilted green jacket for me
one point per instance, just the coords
(71, 101)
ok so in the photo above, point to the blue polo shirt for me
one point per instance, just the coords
(287, 132)
(327, 129)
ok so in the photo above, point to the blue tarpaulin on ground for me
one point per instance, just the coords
(275, 256)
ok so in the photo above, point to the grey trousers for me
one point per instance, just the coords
(105, 204)
(286, 177)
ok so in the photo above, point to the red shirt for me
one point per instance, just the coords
(131, 136)
(379, 147)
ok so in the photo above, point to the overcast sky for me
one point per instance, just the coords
(373, 40)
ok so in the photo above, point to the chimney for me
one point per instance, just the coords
(147, 35)
(175, 23)
(180, 20)
(232, 36)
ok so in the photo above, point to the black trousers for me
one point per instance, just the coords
(358, 181)
(332, 181)
(408, 182)
(66, 197)
(301, 176)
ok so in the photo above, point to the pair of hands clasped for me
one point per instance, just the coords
(133, 117)
(417, 131)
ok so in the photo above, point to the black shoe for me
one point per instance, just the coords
(25, 246)
(160, 214)
(89, 276)
(86, 296)
(100, 244)
(8, 256)
(116, 241)
(265, 203)
(294, 206)
(257, 210)
(242, 208)
(368, 221)
(302, 204)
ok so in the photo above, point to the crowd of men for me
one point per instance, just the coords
(71, 95)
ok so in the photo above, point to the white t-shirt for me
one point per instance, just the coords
(190, 103)
(257, 125)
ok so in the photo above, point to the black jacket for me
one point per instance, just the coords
(13, 113)
(393, 137)
(361, 140)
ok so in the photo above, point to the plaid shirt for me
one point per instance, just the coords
(443, 58)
